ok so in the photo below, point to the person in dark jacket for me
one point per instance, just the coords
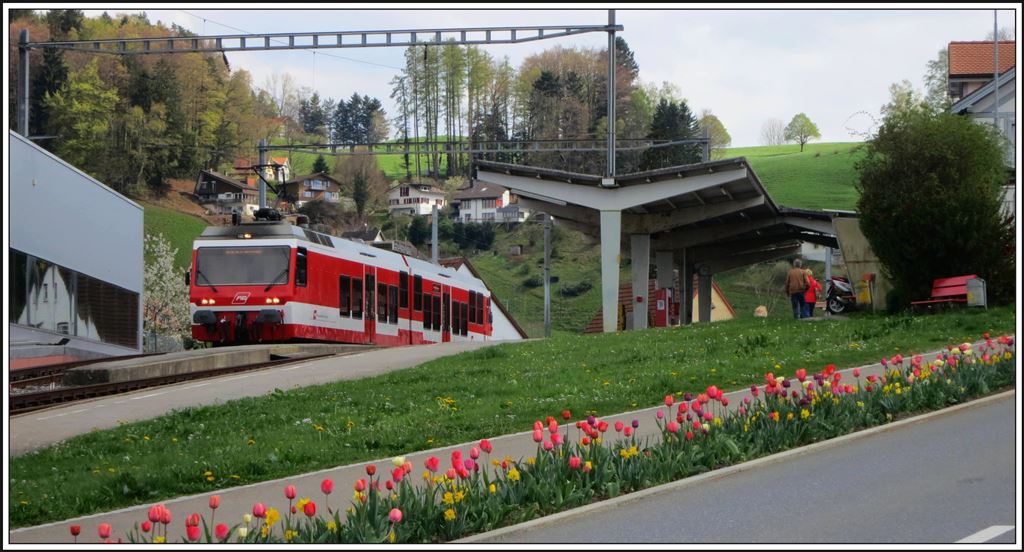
(796, 287)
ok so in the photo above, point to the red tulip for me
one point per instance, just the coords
(464, 473)
(104, 530)
(309, 509)
(165, 515)
(398, 474)
(293, 509)
(432, 463)
(474, 453)
(672, 427)
(214, 502)
(289, 492)
(192, 520)
(538, 435)
(537, 425)
(146, 527)
(574, 462)
(360, 485)
(566, 415)
(618, 426)
(712, 391)
(856, 372)
(485, 445)
(407, 467)
(371, 469)
(326, 486)
(682, 407)
(689, 435)
(628, 431)
(585, 441)
(548, 420)
(395, 515)
(872, 378)
(696, 424)
(154, 513)
(221, 531)
(556, 438)
(669, 400)
(388, 484)
(450, 474)
(801, 374)
(192, 532)
(259, 510)
(548, 445)
(553, 426)
(76, 529)
(725, 401)
(456, 458)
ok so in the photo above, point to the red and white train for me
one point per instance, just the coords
(268, 282)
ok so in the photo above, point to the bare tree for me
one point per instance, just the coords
(773, 133)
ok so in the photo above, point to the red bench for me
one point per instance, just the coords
(947, 291)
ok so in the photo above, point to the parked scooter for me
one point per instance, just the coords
(839, 295)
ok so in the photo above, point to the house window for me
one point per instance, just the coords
(489, 203)
(488, 216)
(307, 193)
(403, 191)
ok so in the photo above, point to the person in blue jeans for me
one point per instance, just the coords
(796, 287)
(811, 296)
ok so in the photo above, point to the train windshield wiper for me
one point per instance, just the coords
(274, 282)
(200, 273)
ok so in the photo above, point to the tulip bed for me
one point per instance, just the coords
(592, 461)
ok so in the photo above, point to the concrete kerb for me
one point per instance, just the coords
(568, 515)
(517, 445)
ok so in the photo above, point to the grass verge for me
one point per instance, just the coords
(493, 391)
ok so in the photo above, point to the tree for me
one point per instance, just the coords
(717, 135)
(903, 99)
(419, 231)
(936, 81)
(672, 121)
(320, 165)
(773, 133)
(930, 194)
(322, 212)
(363, 176)
(165, 301)
(79, 115)
(801, 130)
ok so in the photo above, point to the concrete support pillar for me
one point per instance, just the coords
(663, 266)
(704, 296)
(640, 259)
(685, 289)
(611, 227)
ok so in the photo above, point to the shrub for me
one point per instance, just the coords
(577, 289)
(930, 194)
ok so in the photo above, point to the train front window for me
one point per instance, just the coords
(227, 266)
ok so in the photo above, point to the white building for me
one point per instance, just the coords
(415, 199)
(486, 202)
(222, 195)
(76, 266)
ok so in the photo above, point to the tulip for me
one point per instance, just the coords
(872, 378)
(146, 527)
(360, 485)
(464, 473)
(884, 362)
(660, 414)
(243, 532)
(474, 453)
(587, 466)
(192, 520)
(602, 426)
(682, 407)
(801, 374)
(856, 372)
(635, 424)
(591, 419)
(566, 414)
(672, 427)
(574, 462)
(432, 463)
(309, 509)
(689, 435)
(407, 467)
(628, 431)
(397, 461)
(154, 513)
(696, 424)
(725, 401)
(538, 435)
(585, 441)
(618, 426)
(289, 492)
(548, 445)
(679, 418)
(669, 400)
(743, 411)
(371, 469)
(326, 486)
(456, 458)
(485, 445)
(259, 510)
(387, 484)
(192, 532)
(76, 530)
(221, 531)
(165, 515)
(556, 439)
(398, 474)
(538, 425)
(450, 474)
(754, 390)
(469, 464)
(553, 426)
(712, 391)
(247, 518)
(395, 515)
(104, 530)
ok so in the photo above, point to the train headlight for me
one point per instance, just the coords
(206, 302)
(276, 300)
(273, 300)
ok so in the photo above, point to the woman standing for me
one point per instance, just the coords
(811, 296)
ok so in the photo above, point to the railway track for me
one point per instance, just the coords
(52, 373)
(28, 402)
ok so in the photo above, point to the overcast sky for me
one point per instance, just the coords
(746, 66)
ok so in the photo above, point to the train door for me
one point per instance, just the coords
(370, 312)
(446, 313)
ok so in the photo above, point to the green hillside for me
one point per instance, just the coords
(179, 228)
(821, 177)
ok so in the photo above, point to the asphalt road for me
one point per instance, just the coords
(38, 429)
(938, 481)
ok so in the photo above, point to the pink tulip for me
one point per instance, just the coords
(289, 492)
(360, 485)
(326, 486)
(712, 391)
(709, 416)
(192, 532)
(856, 372)
(165, 515)
(432, 464)
(556, 439)
(259, 510)
(469, 464)
(221, 531)
(669, 400)
(154, 513)
(548, 445)
(309, 509)
(538, 435)
(485, 446)
(672, 427)
(456, 458)
(537, 425)
(395, 515)
(474, 453)
(450, 474)
(192, 520)
(104, 530)
(553, 426)
(618, 426)
(660, 415)
(574, 462)
(743, 411)
(398, 474)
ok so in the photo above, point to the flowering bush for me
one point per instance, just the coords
(576, 466)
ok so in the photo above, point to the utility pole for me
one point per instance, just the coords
(433, 234)
(23, 83)
(262, 163)
(547, 275)
(610, 172)
(995, 78)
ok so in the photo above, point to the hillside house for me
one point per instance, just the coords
(486, 202)
(243, 169)
(224, 195)
(415, 199)
(313, 187)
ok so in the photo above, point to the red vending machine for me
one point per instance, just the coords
(664, 308)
